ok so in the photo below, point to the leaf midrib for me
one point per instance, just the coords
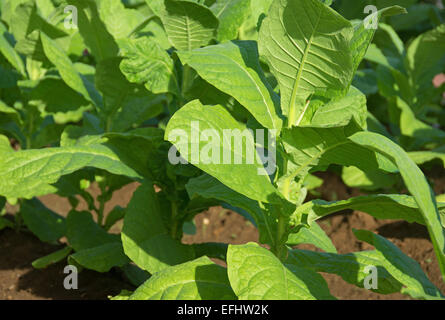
(292, 107)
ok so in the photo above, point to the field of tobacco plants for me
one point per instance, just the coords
(222, 149)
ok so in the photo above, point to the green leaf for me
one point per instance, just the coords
(67, 71)
(189, 25)
(27, 24)
(416, 184)
(256, 274)
(351, 267)
(231, 15)
(233, 68)
(364, 32)
(319, 147)
(118, 213)
(52, 258)
(144, 236)
(145, 62)
(306, 45)
(102, 258)
(381, 206)
(83, 233)
(340, 111)
(11, 112)
(425, 58)
(314, 235)
(210, 188)
(93, 30)
(56, 97)
(199, 279)
(249, 179)
(47, 225)
(412, 127)
(421, 157)
(369, 180)
(119, 21)
(29, 173)
(401, 267)
(9, 53)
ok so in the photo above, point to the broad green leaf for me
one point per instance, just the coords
(56, 97)
(51, 258)
(84, 233)
(340, 111)
(208, 187)
(95, 248)
(145, 238)
(306, 45)
(256, 274)
(314, 235)
(118, 213)
(189, 25)
(102, 257)
(119, 21)
(135, 275)
(141, 149)
(412, 127)
(231, 15)
(29, 173)
(351, 267)
(27, 24)
(364, 32)
(199, 279)
(366, 81)
(421, 157)
(406, 270)
(9, 53)
(137, 110)
(258, 10)
(125, 102)
(425, 58)
(67, 71)
(93, 30)
(381, 206)
(145, 62)
(319, 147)
(369, 180)
(233, 68)
(247, 177)
(47, 225)
(416, 184)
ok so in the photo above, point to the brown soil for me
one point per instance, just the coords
(18, 280)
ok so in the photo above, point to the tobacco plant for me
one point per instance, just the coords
(319, 119)
(100, 105)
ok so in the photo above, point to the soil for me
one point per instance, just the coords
(18, 279)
